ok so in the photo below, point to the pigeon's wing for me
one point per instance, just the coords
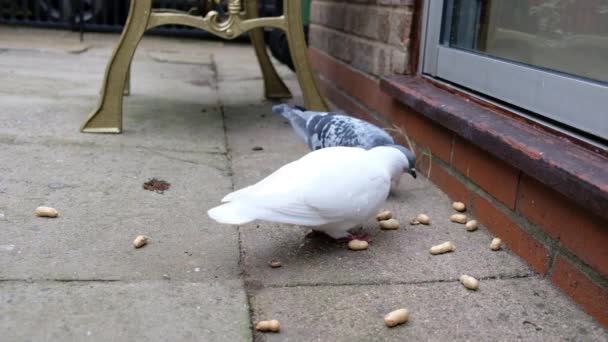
(281, 176)
(341, 130)
(286, 178)
(349, 191)
(329, 199)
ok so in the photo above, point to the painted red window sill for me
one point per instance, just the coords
(579, 173)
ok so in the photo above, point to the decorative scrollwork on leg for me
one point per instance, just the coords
(224, 26)
(227, 27)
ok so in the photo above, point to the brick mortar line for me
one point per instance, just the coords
(342, 92)
(554, 247)
(581, 266)
(518, 213)
(373, 78)
(354, 35)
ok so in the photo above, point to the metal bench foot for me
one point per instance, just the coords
(274, 88)
(107, 117)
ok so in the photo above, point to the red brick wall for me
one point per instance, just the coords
(370, 35)
(557, 238)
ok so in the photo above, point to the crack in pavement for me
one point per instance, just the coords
(58, 280)
(12, 140)
(228, 156)
(258, 286)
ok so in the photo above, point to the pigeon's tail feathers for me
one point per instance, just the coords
(239, 194)
(231, 213)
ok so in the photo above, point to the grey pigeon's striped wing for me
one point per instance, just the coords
(331, 129)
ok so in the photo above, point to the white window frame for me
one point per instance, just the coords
(571, 101)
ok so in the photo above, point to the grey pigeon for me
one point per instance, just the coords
(328, 129)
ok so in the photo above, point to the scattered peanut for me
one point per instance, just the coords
(459, 218)
(357, 245)
(140, 241)
(268, 326)
(445, 247)
(396, 317)
(459, 206)
(46, 212)
(424, 219)
(275, 263)
(389, 224)
(469, 282)
(496, 244)
(471, 225)
(384, 215)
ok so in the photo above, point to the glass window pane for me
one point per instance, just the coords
(570, 36)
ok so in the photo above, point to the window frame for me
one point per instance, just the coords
(546, 94)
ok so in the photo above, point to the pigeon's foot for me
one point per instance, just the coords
(362, 236)
(317, 234)
(311, 234)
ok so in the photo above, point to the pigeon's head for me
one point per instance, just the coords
(284, 108)
(411, 159)
(280, 108)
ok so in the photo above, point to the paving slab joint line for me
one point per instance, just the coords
(420, 282)
(6, 139)
(58, 280)
(228, 156)
(181, 160)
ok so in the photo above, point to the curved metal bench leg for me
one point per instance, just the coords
(299, 54)
(127, 90)
(274, 88)
(107, 117)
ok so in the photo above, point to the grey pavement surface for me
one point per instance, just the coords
(195, 113)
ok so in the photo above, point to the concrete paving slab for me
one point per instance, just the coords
(250, 91)
(103, 207)
(393, 257)
(173, 106)
(236, 63)
(117, 311)
(18, 38)
(241, 93)
(501, 310)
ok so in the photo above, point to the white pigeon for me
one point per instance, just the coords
(333, 190)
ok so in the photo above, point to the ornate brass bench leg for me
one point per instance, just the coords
(299, 54)
(107, 117)
(274, 87)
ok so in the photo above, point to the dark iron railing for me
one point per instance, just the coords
(98, 15)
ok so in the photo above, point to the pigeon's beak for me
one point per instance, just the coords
(413, 173)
